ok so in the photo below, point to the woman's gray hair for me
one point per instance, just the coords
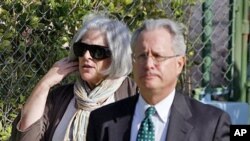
(118, 39)
(175, 30)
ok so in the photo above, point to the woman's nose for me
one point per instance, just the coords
(86, 55)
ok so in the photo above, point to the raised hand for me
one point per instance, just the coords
(59, 70)
(34, 106)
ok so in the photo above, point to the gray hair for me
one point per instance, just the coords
(118, 39)
(175, 30)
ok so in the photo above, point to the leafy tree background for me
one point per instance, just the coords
(36, 33)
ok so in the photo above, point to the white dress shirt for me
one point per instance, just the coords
(160, 119)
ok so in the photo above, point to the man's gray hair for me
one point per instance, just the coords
(118, 39)
(174, 28)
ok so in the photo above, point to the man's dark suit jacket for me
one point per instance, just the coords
(190, 120)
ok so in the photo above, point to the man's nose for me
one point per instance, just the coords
(149, 62)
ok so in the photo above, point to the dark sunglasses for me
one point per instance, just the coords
(96, 51)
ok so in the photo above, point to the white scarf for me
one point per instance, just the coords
(88, 102)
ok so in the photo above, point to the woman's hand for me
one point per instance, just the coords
(59, 71)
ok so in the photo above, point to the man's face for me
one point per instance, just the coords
(149, 72)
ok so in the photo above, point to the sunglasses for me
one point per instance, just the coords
(96, 51)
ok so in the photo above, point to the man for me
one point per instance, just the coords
(158, 59)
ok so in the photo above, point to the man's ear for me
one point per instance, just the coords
(181, 61)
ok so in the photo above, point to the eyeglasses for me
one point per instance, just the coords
(96, 51)
(141, 58)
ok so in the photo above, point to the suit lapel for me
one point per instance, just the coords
(179, 126)
(122, 119)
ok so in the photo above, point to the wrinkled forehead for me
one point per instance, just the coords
(156, 40)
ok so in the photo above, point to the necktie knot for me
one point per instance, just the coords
(150, 111)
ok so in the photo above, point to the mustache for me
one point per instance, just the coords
(149, 74)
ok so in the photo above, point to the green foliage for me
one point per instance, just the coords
(32, 33)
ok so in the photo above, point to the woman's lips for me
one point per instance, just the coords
(87, 66)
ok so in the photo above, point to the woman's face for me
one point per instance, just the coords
(89, 67)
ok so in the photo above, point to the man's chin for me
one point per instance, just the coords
(150, 84)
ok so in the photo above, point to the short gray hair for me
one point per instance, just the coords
(174, 28)
(118, 39)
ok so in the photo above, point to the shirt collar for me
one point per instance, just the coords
(162, 108)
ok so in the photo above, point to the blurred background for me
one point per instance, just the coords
(36, 33)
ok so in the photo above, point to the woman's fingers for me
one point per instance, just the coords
(60, 70)
(65, 66)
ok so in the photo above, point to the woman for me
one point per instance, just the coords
(102, 49)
